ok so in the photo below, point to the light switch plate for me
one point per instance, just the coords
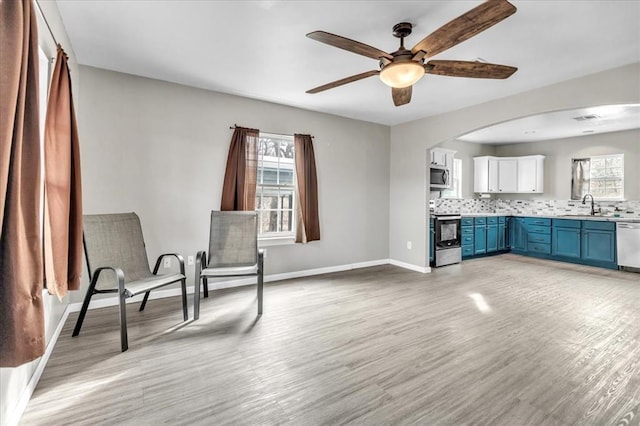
(189, 260)
(167, 262)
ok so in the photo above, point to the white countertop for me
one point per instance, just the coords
(569, 217)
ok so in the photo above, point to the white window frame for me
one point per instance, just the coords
(455, 191)
(591, 178)
(277, 238)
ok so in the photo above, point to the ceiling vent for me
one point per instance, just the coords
(587, 117)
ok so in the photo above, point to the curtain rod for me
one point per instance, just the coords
(46, 22)
(272, 133)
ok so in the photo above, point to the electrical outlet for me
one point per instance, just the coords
(189, 260)
(167, 262)
(409, 245)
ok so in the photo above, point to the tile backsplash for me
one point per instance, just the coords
(533, 207)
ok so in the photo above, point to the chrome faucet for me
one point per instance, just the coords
(584, 201)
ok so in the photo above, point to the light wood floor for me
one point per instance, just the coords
(502, 340)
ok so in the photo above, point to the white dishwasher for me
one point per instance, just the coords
(628, 237)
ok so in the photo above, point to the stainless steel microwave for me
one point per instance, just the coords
(439, 177)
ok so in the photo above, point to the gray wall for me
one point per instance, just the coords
(160, 149)
(557, 164)
(410, 142)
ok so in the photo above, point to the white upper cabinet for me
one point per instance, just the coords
(442, 157)
(509, 174)
(494, 174)
(481, 174)
(530, 174)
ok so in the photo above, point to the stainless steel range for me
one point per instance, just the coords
(447, 240)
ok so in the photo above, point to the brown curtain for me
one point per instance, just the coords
(239, 187)
(63, 189)
(308, 228)
(21, 309)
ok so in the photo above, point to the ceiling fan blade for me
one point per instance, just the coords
(401, 96)
(465, 26)
(348, 44)
(343, 81)
(469, 69)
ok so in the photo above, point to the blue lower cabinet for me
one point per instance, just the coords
(467, 230)
(537, 221)
(534, 237)
(539, 248)
(566, 241)
(483, 235)
(598, 245)
(519, 234)
(587, 242)
(480, 239)
(492, 237)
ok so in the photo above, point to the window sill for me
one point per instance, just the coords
(276, 241)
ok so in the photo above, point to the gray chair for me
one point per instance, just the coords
(233, 252)
(117, 263)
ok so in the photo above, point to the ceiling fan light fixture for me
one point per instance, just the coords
(402, 74)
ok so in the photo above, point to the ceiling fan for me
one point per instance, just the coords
(403, 68)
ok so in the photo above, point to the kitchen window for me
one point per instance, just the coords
(601, 176)
(455, 191)
(275, 189)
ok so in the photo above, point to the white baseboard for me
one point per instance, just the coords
(424, 270)
(218, 285)
(25, 396)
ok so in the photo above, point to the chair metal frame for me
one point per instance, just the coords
(124, 294)
(201, 264)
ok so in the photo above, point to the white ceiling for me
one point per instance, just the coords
(559, 124)
(258, 49)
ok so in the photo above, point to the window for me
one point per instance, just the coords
(275, 189)
(601, 176)
(456, 181)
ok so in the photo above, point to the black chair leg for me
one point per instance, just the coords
(205, 285)
(260, 282)
(196, 288)
(185, 310)
(85, 306)
(196, 299)
(124, 341)
(144, 301)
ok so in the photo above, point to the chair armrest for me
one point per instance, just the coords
(162, 256)
(119, 276)
(201, 260)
